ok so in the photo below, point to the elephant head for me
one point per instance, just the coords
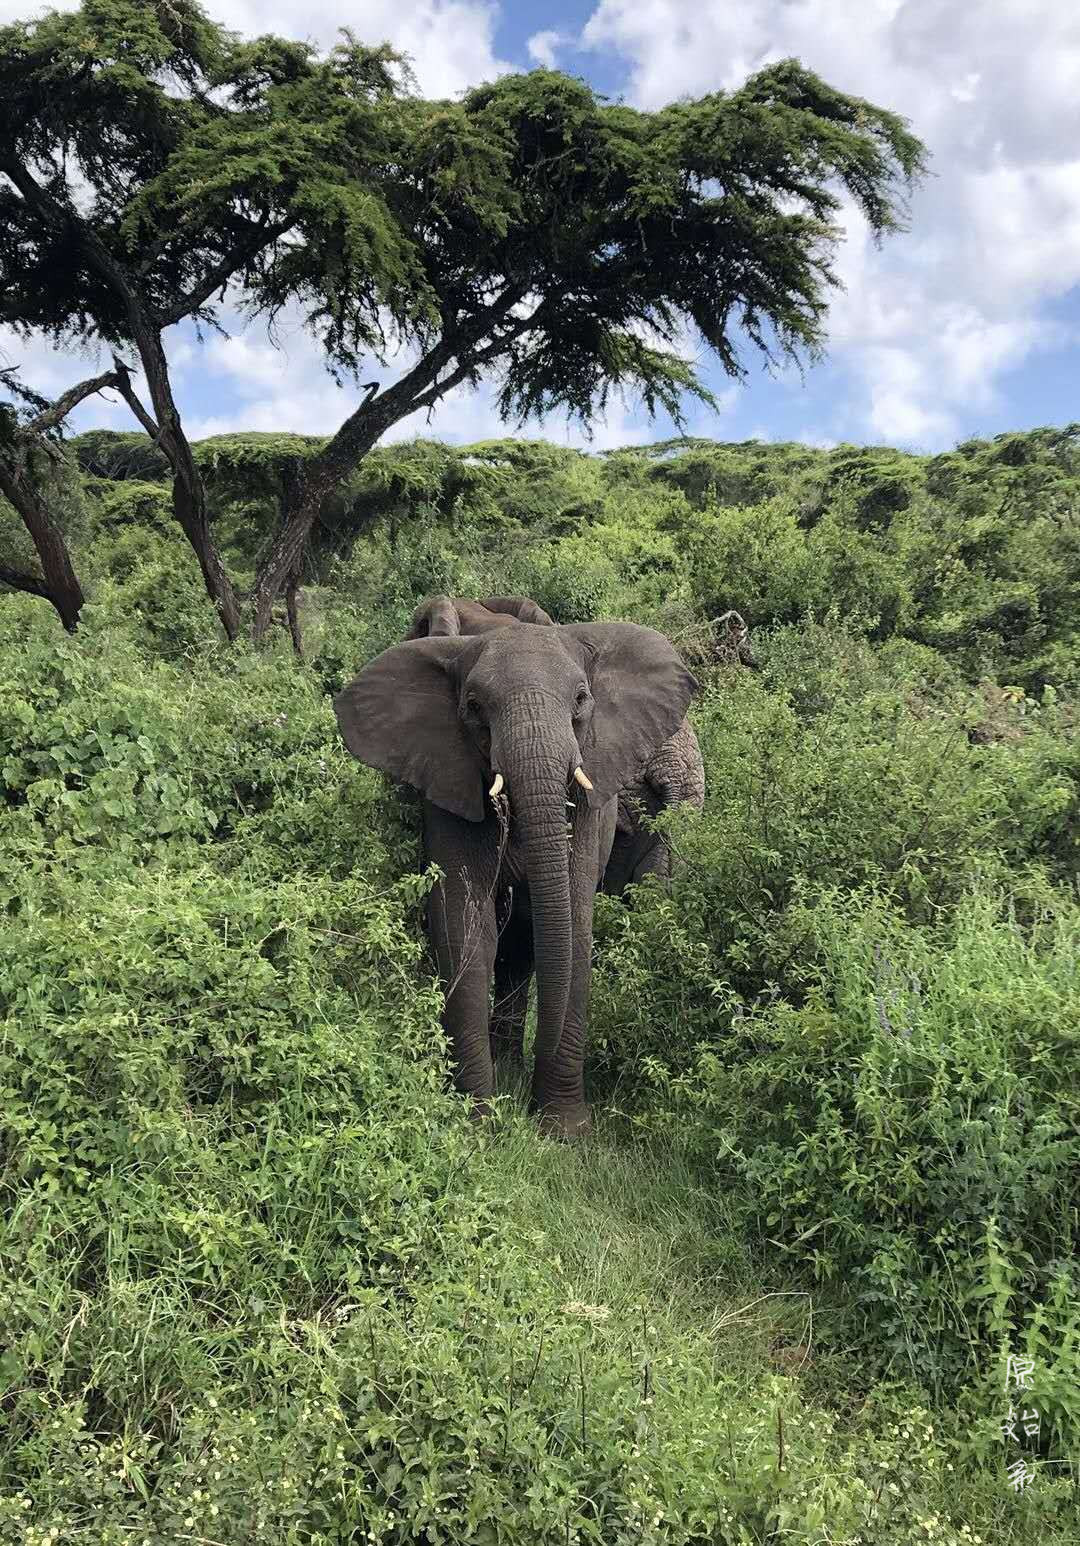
(448, 616)
(524, 710)
(673, 774)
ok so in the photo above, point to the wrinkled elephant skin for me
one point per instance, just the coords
(519, 740)
(673, 775)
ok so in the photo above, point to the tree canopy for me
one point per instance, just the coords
(157, 167)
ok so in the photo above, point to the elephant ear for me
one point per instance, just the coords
(521, 607)
(400, 715)
(435, 618)
(641, 691)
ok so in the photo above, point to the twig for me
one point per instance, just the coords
(581, 1368)
(536, 1363)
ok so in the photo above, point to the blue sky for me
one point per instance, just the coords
(968, 324)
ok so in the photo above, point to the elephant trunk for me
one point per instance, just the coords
(537, 763)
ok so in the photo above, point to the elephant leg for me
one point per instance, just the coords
(558, 1087)
(619, 871)
(633, 856)
(654, 858)
(513, 973)
(461, 928)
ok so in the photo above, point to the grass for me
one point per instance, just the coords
(636, 1235)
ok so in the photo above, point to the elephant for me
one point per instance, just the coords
(447, 616)
(674, 774)
(495, 731)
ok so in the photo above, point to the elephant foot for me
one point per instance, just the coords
(566, 1123)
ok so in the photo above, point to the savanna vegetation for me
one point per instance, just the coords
(263, 1282)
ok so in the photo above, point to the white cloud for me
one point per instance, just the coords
(935, 319)
(543, 48)
(966, 90)
(50, 372)
(288, 388)
(450, 42)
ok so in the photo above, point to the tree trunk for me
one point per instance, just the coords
(283, 560)
(189, 492)
(189, 507)
(421, 387)
(291, 589)
(302, 502)
(291, 475)
(305, 494)
(60, 584)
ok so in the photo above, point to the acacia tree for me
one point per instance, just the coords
(150, 160)
(532, 232)
(28, 452)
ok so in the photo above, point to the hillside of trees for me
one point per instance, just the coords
(261, 1280)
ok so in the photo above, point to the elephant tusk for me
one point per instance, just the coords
(497, 787)
(579, 778)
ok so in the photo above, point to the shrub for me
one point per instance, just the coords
(909, 1133)
(260, 1279)
(838, 764)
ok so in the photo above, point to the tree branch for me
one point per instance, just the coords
(222, 272)
(70, 399)
(359, 432)
(127, 392)
(448, 348)
(69, 220)
(30, 583)
(479, 357)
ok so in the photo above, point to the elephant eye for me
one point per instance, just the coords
(582, 697)
(472, 703)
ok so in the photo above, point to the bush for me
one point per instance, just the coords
(838, 764)
(909, 1132)
(260, 1279)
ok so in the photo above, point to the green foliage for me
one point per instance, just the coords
(132, 502)
(154, 162)
(323, 180)
(973, 553)
(908, 1130)
(870, 956)
(117, 455)
(259, 1276)
(634, 231)
(838, 765)
(133, 93)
